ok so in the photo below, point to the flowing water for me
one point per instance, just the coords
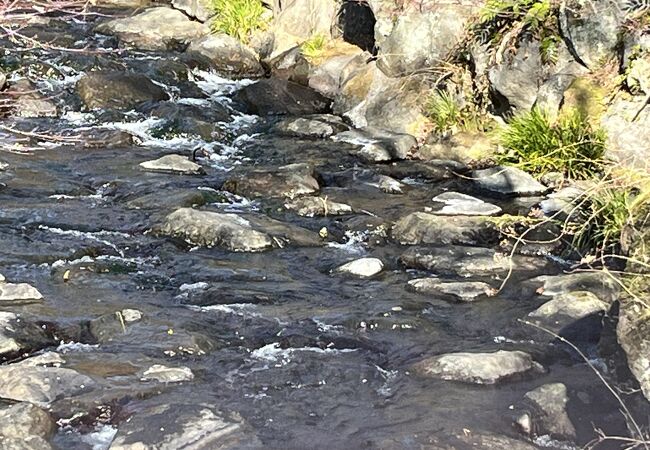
(309, 359)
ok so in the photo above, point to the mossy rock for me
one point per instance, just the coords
(585, 96)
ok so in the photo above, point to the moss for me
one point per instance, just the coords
(586, 97)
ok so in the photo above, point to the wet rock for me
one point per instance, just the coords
(463, 291)
(317, 126)
(576, 316)
(289, 181)
(164, 374)
(633, 332)
(227, 56)
(274, 96)
(159, 28)
(27, 102)
(105, 138)
(469, 261)
(363, 267)
(592, 31)
(41, 385)
(547, 413)
(478, 368)
(318, 206)
(19, 336)
(463, 147)
(507, 181)
(423, 228)
(421, 40)
(121, 3)
(119, 90)
(170, 200)
(106, 328)
(603, 287)
(173, 164)
(489, 441)
(388, 184)
(24, 426)
(200, 10)
(377, 145)
(18, 294)
(457, 204)
(245, 233)
(176, 426)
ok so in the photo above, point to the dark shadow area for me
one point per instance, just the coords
(357, 24)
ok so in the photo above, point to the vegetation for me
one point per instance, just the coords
(313, 47)
(448, 113)
(238, 18)
(571, 146)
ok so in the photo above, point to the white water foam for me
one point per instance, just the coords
(75, 347)
(355, 242)
(101, 438)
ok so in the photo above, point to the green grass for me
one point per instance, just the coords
(571, 146)
(446, 113)
(313, 47)
(238, 18)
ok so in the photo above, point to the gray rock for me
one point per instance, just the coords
(3, 80)
(177, 426)
(420, 40)
(41, 385)
(28, 423)
(19, 336)
(173, 164)
(297, 20)
(245, 233)
(316, 126)
(318, 206)
(377, 145)
(592, 31)
(490, 441)
(388, 184)
(575, 316)
(291, 65)
(469, 261)
(159, 28)
(362, 267)
(628, 142)
(119, 90)
(463, 147)
(274, 96)
(200, 10)
(423, 228)
(547, 412)
(328, 75)
(463, 291)
(227, 56)
(507, 181)
(457, 204)
(633, 332)
(164, 374)
(478, 368)
(28, 102)
(289, 181)
(603, 287)
(19, 294)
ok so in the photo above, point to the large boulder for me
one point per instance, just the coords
(275, 96)
(546, 413)
(118, 90)
(463, 147)
(226, 55)
(315, 126)
(424, 228)
(628, 131)
(295, 21)
(478, 368)
(507, 181)
(420, 41)
(330, 71)
(633, 332)
(155, 29)
(200, 10)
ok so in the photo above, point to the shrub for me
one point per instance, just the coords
(313, 47)
(571, 146)
(238, 18)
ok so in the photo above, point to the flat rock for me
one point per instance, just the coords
(289, 181)
(118, 90)
(318, 206)
(507, 181)
(377, 145)
(226, 55)
(547, 413)
(315, 126)
(164, 374)
(275, 96)
(28, 102)
(424, 228)
(173, 164)
(238, 233)
(469, 261)
(478, 368)
(464, 291)
(19, 294)
(603, 287)
(576, 316)
(175, 426)
(457, 204)
(363, 267)
(159, 28)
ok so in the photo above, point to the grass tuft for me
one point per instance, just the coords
(571, 146)
(238, 18)
(447, 114)
(313, 47)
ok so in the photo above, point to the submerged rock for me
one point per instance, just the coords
(316, 126)
(164, 374)
(159, 28)
(457, 204)
(603, 287)
(464, 291)
(377, 145)
(547, 413)
(318, 206)
(274, 96)
(289, 181)
(19, 336)
(173, 164)
(504, 180)
(424, 228)
(363, 267)
(119, 90)
(478, 368)
(227, 56)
